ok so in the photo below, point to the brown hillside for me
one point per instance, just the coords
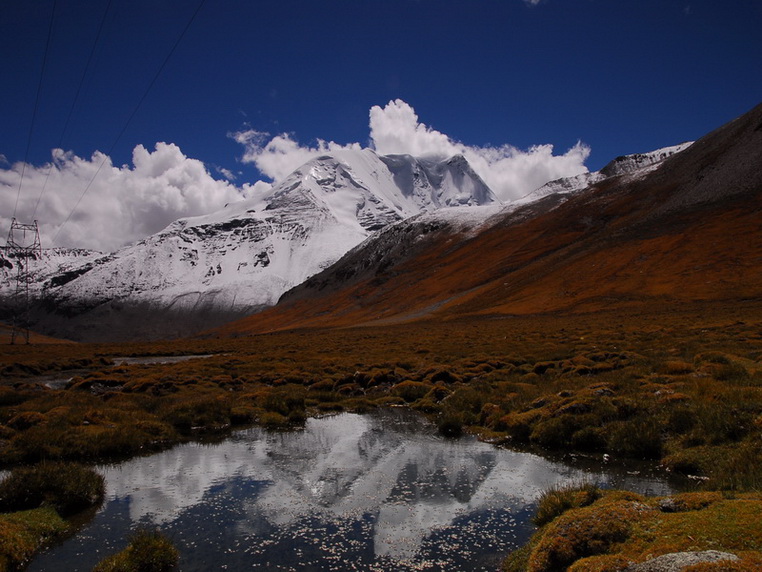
(688, 232)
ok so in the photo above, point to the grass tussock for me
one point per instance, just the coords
(557, 500)
(682, 389)
(23, 533)
(68, 488)
(148, 551)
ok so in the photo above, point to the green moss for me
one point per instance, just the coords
(285, 400)
(600, 563)
(450, 425)
(207, 413)
(727, 525)
(555, 432)
(411, 391)
(638, 438)
(518, 560)
(273, 420)
(519, 426)
(735, 467)
(589, 439)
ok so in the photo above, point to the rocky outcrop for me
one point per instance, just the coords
(678, 561)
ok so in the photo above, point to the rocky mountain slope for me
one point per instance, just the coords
(686, 231)
(203, 271)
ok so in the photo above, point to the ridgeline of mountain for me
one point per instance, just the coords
(204, 271)
(637, 165)
(681, 231)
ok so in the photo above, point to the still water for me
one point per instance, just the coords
(350, 492)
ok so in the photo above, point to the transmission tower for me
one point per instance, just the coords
(23, 245)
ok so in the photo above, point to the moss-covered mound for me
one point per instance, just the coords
(23, 533)
(148, 551)
(622, 528)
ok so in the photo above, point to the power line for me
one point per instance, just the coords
(74, 103)
(130, 118)
(36, 106)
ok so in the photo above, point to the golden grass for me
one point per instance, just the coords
(683, 387)
(6, 333)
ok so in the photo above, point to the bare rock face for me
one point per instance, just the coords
(677, 561)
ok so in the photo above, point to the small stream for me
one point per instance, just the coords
(368, 492)
(61, 379)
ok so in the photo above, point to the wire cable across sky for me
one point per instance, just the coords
(130, 118)
(74, 103)
(36, 106)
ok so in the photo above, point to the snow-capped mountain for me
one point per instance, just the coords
(674, 232)
(202, 271)
(242, 258)
(636, 165)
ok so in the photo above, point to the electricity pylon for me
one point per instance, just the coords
(23, 245)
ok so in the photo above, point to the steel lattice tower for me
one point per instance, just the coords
(23, 245)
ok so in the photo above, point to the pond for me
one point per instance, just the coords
(348, 492)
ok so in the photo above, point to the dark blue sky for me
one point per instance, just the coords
(622, 76)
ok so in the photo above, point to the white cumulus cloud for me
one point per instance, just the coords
(395, 129)
(509, 171)
(279, 156)
(122, 204)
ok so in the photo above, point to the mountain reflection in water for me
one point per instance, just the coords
(349, 492)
